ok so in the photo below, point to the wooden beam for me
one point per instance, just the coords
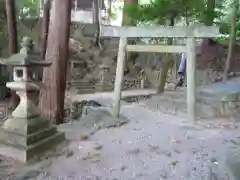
(191, 76)
(119, 76)
(156, 48)
(160, 31)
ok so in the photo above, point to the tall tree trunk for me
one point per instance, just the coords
(45, 26)
(54, 78)
(12, 26)
(95, 7)
(12, 42)
(109, 8)
(166, 64)
(209, 13)
(128, 21)
(3, 25)
(232, 41)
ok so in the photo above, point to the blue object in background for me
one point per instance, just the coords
(182, 65)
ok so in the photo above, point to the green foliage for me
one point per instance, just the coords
(222, 40)
(225, 20)
(159, 11)
(3, 26)
(112, 14)
(28, 8)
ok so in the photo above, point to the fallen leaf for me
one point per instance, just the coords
(214, 161)
(84, 137)
(134, 151)
(177, 151)
(174, 163)
(98, 147)
(169, 154)
(69, 154)
(122, 168)
(90, 156)
(235, 142)
(175, 141)
(95, 160)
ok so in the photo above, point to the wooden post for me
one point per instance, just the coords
(191, 73)
(142, 83)
(119, 75)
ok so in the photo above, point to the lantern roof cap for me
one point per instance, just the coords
(26, 56)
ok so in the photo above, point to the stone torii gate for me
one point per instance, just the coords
(190, 33)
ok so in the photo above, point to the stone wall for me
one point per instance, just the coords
(211, 62)
(213, 56)
(86, 87)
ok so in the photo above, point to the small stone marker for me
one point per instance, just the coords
(26, 134)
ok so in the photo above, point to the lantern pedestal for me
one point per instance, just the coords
(26, 134)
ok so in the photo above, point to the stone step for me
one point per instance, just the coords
(169, 96)
(22, 141)
(175, 103)
(229, 89)
(38, 136)
(36, 149)
(132, 99)
(45, 144)
(84, 88)
(86, 91)
(34, 124)
(37, 124)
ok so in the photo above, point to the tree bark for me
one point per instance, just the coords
(167, 62)
(209, 13)
(128, 21)
(232, 41)
(54, 78)
(45, 26)
(12, 26)
(3, 24)
(12, 42)
(95, 7)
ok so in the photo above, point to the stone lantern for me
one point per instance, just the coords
(105, 71)
(105, 78)
(26, 134)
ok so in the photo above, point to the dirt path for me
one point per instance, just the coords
(151, 146)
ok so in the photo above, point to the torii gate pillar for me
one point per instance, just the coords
(191, 78)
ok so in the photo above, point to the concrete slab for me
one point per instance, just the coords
(230, 87)
(109, 95)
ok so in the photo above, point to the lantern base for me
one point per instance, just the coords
(33, 140)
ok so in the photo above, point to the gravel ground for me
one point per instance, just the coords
(150, 146)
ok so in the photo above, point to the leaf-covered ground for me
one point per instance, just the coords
(150, 146)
